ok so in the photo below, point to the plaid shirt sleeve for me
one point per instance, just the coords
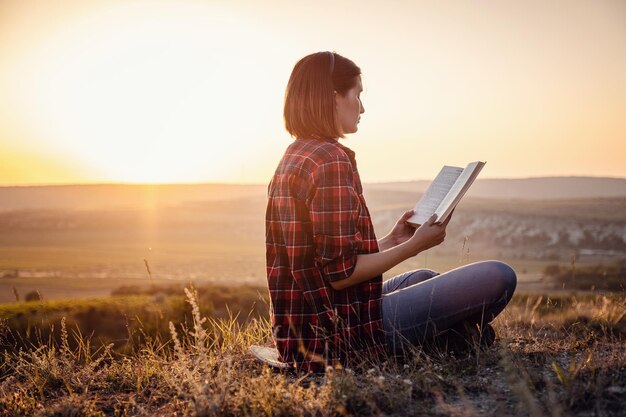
(334, 212)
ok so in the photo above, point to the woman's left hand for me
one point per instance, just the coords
(402, 231)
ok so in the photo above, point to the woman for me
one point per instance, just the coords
(324, 263)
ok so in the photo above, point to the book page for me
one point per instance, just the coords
(458, 190)
(435, 193)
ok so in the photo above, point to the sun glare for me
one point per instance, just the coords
(148, 94)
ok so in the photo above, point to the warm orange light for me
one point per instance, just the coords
(189, 91)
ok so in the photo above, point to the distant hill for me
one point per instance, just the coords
(540, 188)
(119, 196)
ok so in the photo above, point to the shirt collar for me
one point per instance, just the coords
(347, 150)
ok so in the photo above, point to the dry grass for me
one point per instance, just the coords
(554, 357)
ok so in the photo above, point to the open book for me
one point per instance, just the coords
(445, 192)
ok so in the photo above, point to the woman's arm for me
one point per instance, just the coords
(371, 265)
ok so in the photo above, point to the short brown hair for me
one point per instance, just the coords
(309, 99)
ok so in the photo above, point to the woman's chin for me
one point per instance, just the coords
(353, 129)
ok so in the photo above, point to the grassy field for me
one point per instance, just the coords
(558, 356)
(127, 319)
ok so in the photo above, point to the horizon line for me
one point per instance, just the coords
(74, 184)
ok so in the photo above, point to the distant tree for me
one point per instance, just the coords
(10, 274)
(33, 296)
(589, 277)
(552, 270)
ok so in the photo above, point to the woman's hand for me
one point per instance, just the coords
(428, 235)
(401, 232)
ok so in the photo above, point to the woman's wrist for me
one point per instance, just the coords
(410, 248)
(387, 242)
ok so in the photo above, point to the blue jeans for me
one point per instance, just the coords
(420, 304)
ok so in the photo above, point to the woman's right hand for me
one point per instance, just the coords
(428, 235)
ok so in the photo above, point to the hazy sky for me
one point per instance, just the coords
(191, 91)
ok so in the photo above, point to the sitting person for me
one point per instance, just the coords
(324, 262)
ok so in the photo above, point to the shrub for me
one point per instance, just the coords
(131, 320)
(33, 296)
(593, 277)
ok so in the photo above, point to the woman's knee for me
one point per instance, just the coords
(504, 277)
(407, 279)
(420, 275)
(423, 274)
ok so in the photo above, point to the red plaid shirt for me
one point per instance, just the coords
(316, 224)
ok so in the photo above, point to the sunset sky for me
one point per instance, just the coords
(192, 91)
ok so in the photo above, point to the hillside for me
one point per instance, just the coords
(225, 238)
(86, 251)
(148, 196)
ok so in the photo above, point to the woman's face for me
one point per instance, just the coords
(350, 108)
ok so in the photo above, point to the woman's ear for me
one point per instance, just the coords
(338, 98)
